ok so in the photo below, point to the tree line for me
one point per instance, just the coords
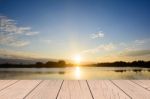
(62, 63)
(49, 64)
(139, 63)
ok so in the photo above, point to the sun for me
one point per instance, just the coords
(77, 58)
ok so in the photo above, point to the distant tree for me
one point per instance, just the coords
(39, 63)
(50, 63)
(61, 63)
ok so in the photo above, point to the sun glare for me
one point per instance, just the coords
(77, 58)
(77, 72)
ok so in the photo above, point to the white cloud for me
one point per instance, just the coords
(135, 53)
(10, 33)
(97, 35)
(12, 41)
(19, 43)
(131, 51)
(31, 33)
(106, 47)
(46, 41)
(8, 53)
(125, 55)
(123, 44)
(139, 42)
(116, 57)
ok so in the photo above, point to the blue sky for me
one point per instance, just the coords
(98, 30)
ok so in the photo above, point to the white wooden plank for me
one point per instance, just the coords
(46, 90)
(132, 89)
(19, 89)
(105, 89)
(74, 90)
(143, 83)
(6, 83)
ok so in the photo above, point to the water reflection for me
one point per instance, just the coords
(121, 71)
(77, 72)
(61, 72)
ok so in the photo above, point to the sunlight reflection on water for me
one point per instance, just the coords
(77, 72)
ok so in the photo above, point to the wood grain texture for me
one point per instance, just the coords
(48, 89)
(104, 89)
(143, 83)
(71, 89)
(74, 90)
(132, 89)
(19, 90)
(6, 83)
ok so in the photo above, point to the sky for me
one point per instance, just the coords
(97, 30)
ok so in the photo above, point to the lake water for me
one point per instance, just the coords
(75, 73)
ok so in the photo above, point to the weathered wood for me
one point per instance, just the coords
(132, 89)
(19, 90)
(48, 89)
(6, 83)
(104, 89)
(74, 90)
(143, 83)
(69, 89)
